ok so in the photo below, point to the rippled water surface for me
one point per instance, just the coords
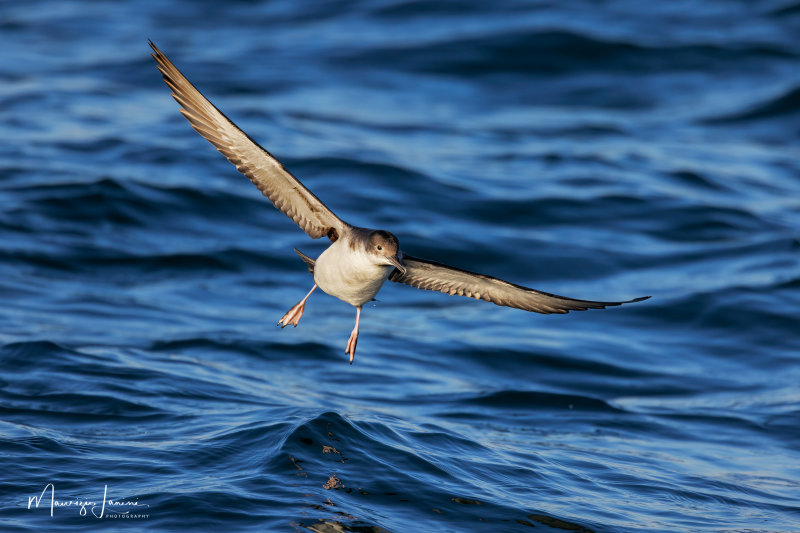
(602, 150)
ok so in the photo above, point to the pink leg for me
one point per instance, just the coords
(293, 315)
(351, 343)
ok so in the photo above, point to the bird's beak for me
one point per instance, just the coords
(395, 260)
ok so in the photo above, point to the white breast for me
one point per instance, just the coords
(349, 274)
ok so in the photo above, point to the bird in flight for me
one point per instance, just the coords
(359, 260)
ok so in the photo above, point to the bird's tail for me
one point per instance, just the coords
(310, 262)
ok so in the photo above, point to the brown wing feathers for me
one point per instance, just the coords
(266, 172)
(433, 276)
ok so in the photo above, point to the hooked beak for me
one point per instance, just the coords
(395, 260)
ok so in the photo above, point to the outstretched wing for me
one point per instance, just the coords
(266, 172)
(434, 276)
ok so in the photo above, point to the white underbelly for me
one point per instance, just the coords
(348, 275)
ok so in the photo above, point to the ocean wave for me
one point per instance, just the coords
(510, 399)
(783, 106)
(554, 52)
(126, 203)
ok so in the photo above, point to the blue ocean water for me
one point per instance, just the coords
(601, 150)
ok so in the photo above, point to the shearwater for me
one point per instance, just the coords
(359, 260)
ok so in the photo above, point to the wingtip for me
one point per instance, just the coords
(156, 54)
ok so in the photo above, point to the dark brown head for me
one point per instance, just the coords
(384, 247)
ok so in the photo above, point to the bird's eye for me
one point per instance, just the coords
(380, 247)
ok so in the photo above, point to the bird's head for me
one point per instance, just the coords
(385, 249)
